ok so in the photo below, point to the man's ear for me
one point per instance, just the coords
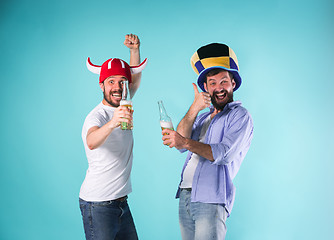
(205, 87)
(233, 83)
(102, 86)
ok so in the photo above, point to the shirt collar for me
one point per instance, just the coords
(233, 104)
(230, 105)
(107, 107)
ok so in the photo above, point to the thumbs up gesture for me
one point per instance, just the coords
(202, 100)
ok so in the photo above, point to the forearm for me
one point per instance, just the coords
(97, 136)
(201, 149)
(136, 78)
(174, 139)
(134, 57)
(185, 126)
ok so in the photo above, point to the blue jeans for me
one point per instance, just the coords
(107, 220)
(201, 221)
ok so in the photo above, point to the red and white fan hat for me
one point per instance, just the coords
(115, 66)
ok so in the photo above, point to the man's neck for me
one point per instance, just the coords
(104, 102)
(214, 113)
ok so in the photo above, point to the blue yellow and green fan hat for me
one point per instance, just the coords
(215, 55)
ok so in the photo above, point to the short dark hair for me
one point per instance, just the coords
(215, 71)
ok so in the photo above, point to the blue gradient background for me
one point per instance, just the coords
(285, 51)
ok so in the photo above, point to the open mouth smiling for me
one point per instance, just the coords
(221, 95)
(116, 95)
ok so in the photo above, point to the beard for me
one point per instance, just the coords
(227, 99)
(109, 100)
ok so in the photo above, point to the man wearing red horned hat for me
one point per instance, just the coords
(103, 194)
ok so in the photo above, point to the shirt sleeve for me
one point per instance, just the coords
(236, 139)
(92, 120)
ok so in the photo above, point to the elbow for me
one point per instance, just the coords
(220, 155)
(90, 145)
(226, 159)
(91, 148)
(220, 161)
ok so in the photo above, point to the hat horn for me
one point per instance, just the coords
(139, 68)
(93, 68)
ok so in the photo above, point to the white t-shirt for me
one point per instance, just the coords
(109, 166)
(189, 171)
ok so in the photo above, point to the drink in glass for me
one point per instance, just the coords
(128, 104)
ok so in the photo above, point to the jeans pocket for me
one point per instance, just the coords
(82, 204)
(222, 213)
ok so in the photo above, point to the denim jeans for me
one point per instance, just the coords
(201, 221)
(107, 220)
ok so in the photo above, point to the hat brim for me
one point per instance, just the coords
(202, 77)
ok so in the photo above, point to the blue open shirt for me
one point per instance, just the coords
(229, 135)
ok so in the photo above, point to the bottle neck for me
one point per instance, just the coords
(126, 92)
(163, 114)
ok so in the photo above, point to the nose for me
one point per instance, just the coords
(120, 85)
(219, 89)
(221, 85)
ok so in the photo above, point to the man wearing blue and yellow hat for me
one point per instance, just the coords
(217, 142)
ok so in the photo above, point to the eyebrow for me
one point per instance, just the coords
(212, 79)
